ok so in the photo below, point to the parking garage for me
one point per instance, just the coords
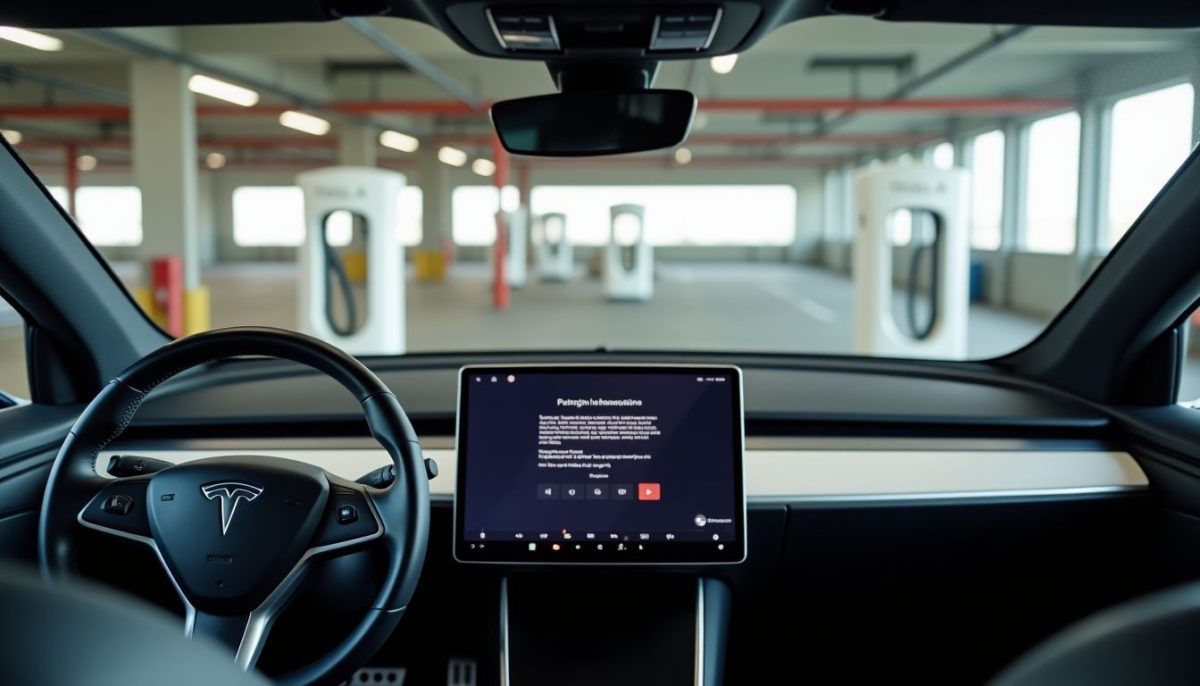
(178, 152)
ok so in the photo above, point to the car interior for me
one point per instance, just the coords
(401, 462)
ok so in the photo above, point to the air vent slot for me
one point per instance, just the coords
(519, 31)
(685, 30)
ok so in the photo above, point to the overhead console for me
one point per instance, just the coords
(602, 31)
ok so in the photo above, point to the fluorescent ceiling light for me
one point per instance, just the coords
(723, 64)
(483, 167)
(302, 121)
(214, 160)
(683, 155)
(31, 39)
(399, 141)
(13, 136)
(86, 163)
(222, 90)
(452, 156)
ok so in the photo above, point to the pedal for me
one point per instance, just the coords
(461, 672)
(377, 675)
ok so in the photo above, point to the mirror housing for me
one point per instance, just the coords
(582, 123)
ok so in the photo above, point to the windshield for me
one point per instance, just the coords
(848, 186)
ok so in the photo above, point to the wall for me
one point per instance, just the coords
(1040, 284)
(219, 198)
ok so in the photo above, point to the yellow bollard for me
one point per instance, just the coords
(144, 297)
(196, 310)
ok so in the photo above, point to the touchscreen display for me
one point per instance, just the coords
(600, 464)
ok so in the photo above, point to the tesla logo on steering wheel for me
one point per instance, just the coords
(231, 493)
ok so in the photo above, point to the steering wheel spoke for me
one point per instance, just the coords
(120, 508)
(351, 518)
(244, 635)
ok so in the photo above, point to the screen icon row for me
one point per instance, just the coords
(643, 491)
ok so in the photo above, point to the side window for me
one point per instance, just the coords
(13, 380)
(1189, 383)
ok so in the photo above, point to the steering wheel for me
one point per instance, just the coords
(237, 535)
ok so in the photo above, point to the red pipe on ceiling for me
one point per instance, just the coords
(803, 162)
(455, 108)
(974, 105)
(484, 140)
(761, 139)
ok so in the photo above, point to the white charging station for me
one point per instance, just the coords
(939, 199)
(629, 257)
(515, 269)
(553, 253)
(359, 201)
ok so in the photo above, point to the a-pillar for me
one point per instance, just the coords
(165, 169)
(357, 145)
(437, 246)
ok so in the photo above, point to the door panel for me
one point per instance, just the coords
(32, 435)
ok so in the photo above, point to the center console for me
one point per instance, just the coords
(606, 491)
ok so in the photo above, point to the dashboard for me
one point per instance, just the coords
(784, 396)
(875, 491)
(817, 432)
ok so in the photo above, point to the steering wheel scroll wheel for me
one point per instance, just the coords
(237, 535)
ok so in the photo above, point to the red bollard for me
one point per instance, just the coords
(166, 285)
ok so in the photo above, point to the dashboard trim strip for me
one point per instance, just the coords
(824, 477)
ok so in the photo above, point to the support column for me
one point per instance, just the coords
(848, 209)
(500, 291)
(163, 125)
(1195, 101)
(1012, 212)
(71, 172)
(436, 251)
(1091, 227)
(357, 145)
(524, 183)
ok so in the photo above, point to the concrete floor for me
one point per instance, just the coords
(760, 307)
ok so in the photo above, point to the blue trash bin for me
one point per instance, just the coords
(976, 281)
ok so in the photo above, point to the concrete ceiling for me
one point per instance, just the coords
(1041, 63)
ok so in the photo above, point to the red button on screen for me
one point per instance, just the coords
(648, 492)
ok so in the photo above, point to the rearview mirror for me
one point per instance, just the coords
(599, 123)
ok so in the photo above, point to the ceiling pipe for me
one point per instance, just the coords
(121, 41)
(413, 61)
(912, 85)
(778, 106)
(453, 108)
(484, 140)
(752, 139)
(966, 105)
(97, 93)
(641, 162)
